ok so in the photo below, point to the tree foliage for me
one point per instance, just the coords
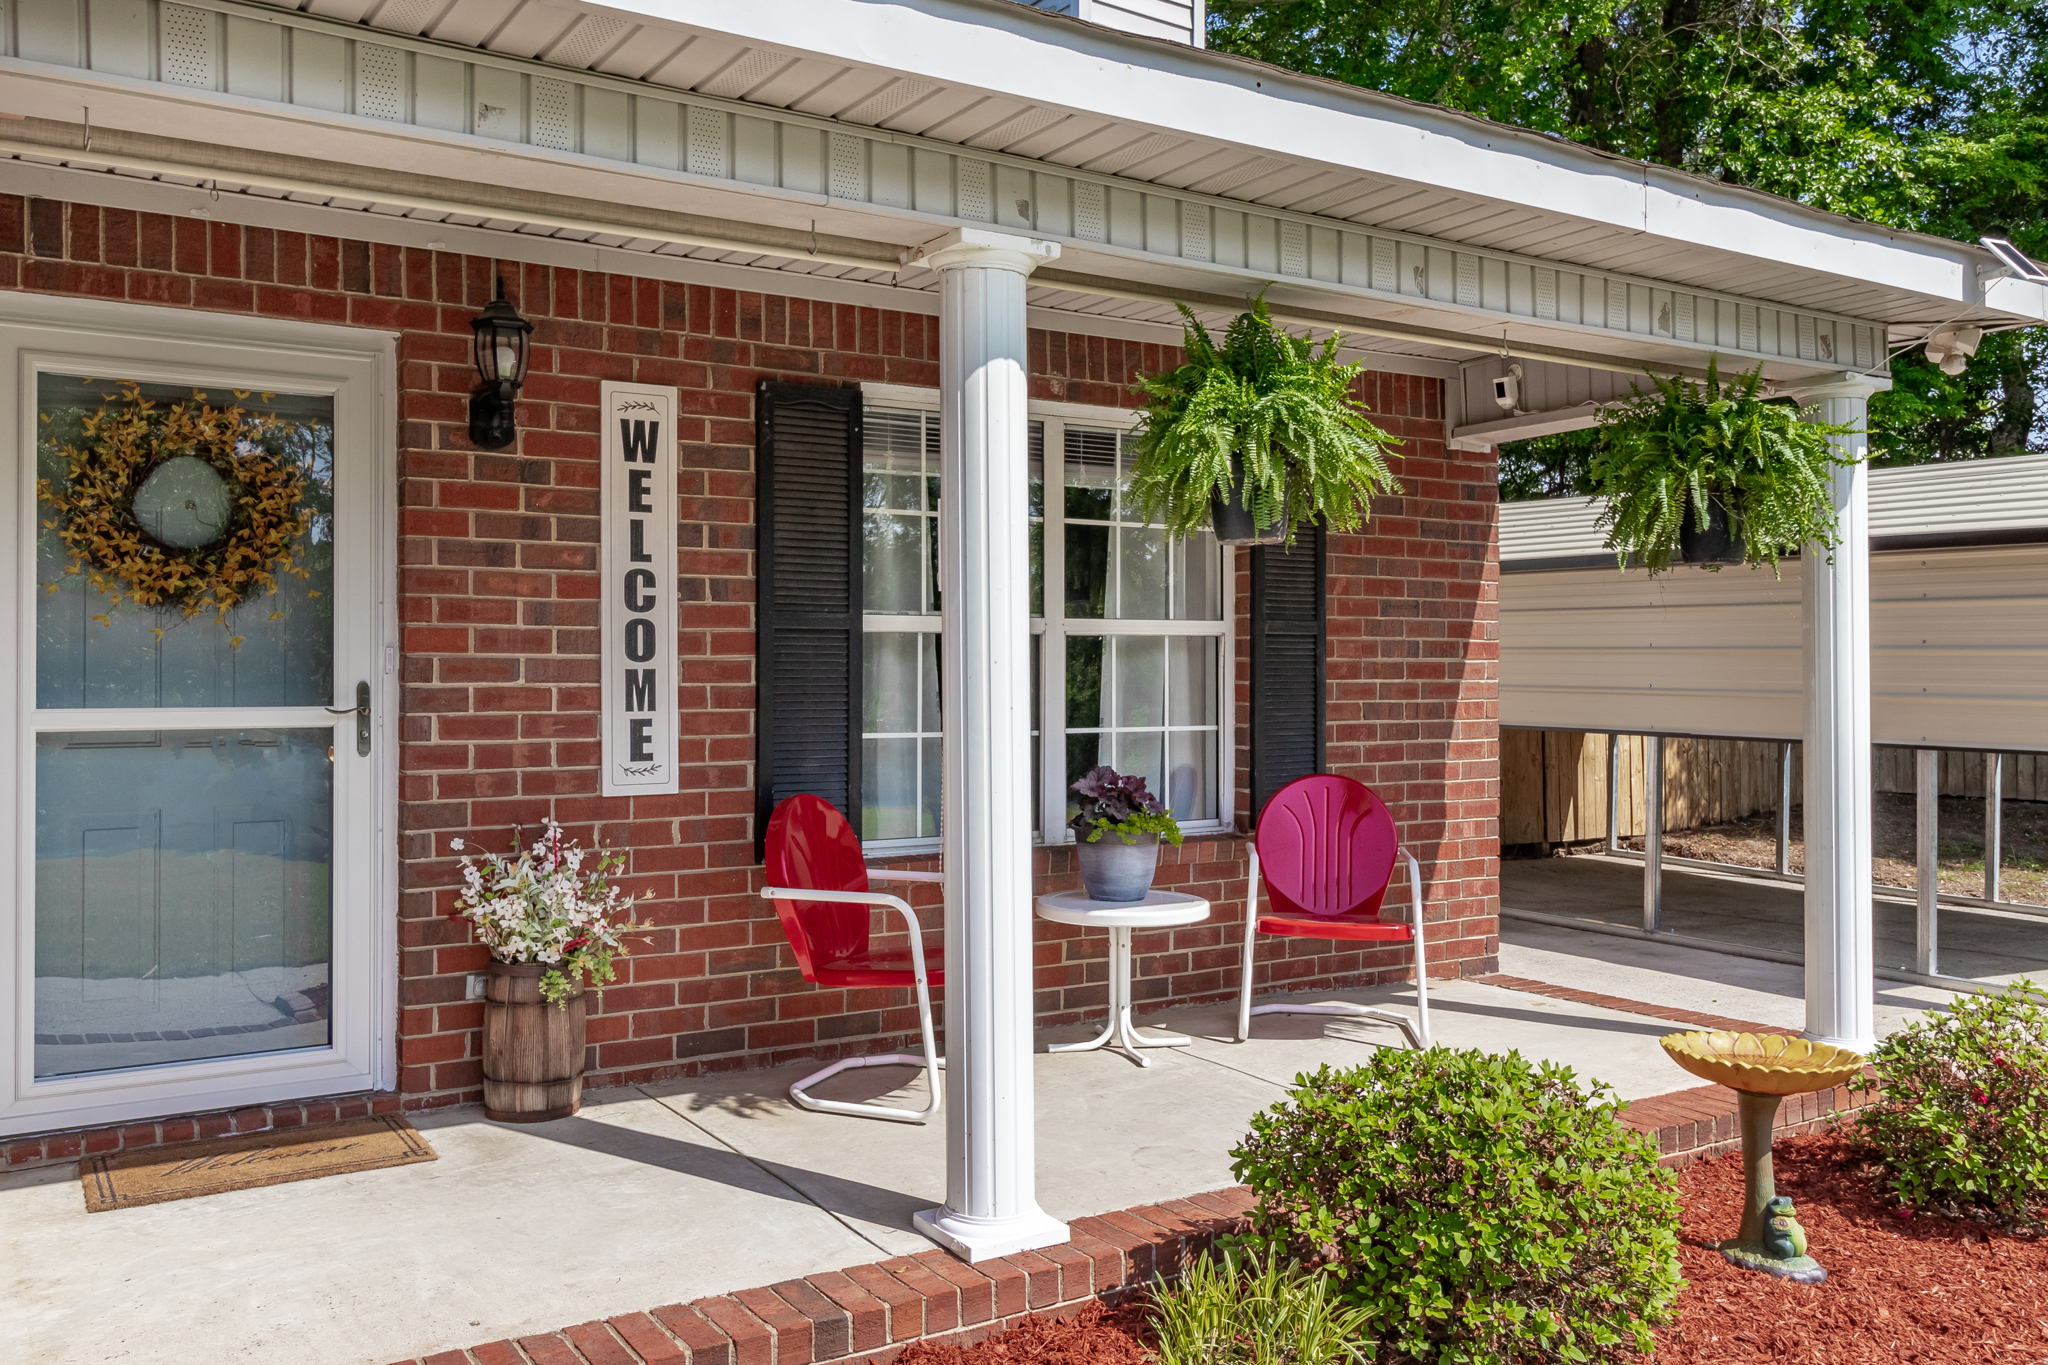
(1930, 115)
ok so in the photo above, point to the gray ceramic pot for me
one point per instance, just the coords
(1112, 870)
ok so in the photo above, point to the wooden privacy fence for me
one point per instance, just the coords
(1962, 774)
(1553, 783)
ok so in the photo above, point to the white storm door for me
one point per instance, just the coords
(201, 893)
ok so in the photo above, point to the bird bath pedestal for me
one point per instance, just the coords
(1762, 1069)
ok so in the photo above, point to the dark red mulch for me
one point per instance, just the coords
(1918, 1291)
(1095, 1335)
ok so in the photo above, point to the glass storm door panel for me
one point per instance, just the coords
(182, 759)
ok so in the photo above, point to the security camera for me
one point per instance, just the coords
(1507, 390)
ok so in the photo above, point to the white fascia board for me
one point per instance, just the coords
(1046, 60)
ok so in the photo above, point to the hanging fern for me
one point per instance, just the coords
(1669, 454)
(1272, 410)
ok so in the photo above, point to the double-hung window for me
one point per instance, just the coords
(1130, 637)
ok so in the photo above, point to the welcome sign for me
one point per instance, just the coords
(639, 620)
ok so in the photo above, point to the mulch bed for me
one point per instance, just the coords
(1917, 1291)
(1096, 1335)
(1900, 1291)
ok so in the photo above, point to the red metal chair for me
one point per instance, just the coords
(818, 881)
(1324, 854)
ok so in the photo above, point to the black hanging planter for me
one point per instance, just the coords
(1233, 520)
(1718, 542)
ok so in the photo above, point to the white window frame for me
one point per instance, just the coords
(358, 368)
(1053, 632)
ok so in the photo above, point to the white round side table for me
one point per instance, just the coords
(1159, 910)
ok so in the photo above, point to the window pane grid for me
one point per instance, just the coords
(1118, 565)
(1134, 658)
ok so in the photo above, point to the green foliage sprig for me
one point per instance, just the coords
(1960, 1125)
(1109, 802)
(1481, 1209)
(1266, 415)
(1232, 1308)
(1667, 455)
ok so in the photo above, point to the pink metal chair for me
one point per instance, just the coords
(1324, 854)
(818, 881)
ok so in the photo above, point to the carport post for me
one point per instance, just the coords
(1840, 986)
(991, 1206)
(1785, 809)
(1653, 835)
(1927, 860)
(1994, 824)
(1613, 793)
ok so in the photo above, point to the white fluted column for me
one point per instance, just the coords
(1840, 986)
(991, 1204)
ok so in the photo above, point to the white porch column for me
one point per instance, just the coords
(991, 1204)
(1840, 988)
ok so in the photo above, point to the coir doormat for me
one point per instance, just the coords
(241, 1163)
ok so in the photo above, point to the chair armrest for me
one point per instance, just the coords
(894, 874)
(879, 899)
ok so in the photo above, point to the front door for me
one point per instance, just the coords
(197, 717)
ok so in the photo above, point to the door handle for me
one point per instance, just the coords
(361, 711)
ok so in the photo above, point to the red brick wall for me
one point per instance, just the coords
(499, 616)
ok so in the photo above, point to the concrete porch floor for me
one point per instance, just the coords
(665, 1193)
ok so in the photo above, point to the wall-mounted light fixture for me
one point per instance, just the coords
(500, 351)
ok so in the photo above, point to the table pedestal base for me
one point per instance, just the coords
(1120, 1034)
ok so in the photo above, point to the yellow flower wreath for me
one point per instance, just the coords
(128, 438)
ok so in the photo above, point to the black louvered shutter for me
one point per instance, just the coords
(808, 472)
(1287, 664)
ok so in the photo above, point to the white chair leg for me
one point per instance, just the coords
(1350, 1011)
(1421, 954)
(931, 1063)
(1251, 938)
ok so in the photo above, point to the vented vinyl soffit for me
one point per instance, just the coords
(1002, 77)
(1123, 288)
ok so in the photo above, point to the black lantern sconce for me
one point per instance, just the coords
(500, 352)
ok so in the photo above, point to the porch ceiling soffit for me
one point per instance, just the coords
(1001, 77)
(259, 83)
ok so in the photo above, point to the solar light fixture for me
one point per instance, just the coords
(500, 350)
(2016, 262)
(1951, 347)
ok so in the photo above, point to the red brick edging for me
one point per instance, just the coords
(868, 1313)
(38, 1149)
(1623, 1005)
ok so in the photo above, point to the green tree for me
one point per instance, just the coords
(1930, 115)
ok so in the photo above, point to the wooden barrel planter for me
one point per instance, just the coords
(533, 1051)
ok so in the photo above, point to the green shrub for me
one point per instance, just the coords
(1233, 1309)
(1480, 1209)
(1960, 1124)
